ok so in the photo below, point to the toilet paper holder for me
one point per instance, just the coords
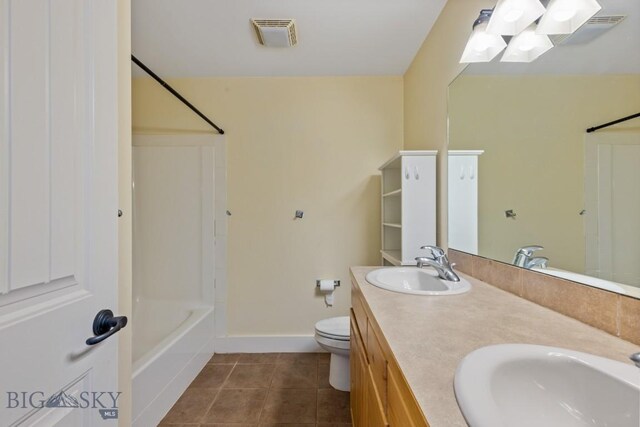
(335, 282)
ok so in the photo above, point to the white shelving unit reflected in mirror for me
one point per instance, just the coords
(463, 200)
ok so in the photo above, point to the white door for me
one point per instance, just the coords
(58, 210)
(612, 201)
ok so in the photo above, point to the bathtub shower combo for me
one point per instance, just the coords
(179, 231)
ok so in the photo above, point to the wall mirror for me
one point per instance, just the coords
(524, 171)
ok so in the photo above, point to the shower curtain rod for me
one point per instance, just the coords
(615, 122)
(175, 93)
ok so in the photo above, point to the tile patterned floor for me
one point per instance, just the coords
(266, 390)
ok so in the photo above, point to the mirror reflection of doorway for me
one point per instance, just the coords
(612, 200)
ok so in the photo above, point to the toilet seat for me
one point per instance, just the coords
(335, 328)
(333, 345)
(332, 337)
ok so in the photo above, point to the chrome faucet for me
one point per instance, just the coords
(440, 262)
(635, 358)
(539, 261)
(524, 257)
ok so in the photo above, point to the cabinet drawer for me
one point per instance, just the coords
(357, 338)
(360, 314)
(378, 364)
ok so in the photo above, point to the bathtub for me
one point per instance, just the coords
(172, 342)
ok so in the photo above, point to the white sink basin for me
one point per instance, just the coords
(414, 280)
(529, 385)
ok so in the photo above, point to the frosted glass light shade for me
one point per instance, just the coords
(566, 16)
(482, 47)
(512, 16)
(526, 46)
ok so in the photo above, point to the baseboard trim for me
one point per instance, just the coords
(267, 344)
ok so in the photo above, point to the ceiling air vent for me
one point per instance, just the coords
(591, 30)
(276, 32)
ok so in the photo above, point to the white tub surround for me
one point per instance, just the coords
(179, 250)
(163, 372)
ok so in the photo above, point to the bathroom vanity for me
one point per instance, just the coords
(405, 349)
(380, 395)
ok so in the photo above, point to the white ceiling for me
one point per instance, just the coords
(195, 38)
(615, 52)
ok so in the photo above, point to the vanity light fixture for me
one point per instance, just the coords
(482, 47)
(510, 17)
(526, 46)
(566, 16)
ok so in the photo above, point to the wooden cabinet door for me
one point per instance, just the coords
(356, 392)
(401, 409)
(375, 414)
(353, 380)
(358, 377)
(377, 364)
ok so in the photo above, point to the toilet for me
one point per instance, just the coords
(333, 335)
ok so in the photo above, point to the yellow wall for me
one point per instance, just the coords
(532, 130)
(124, 202)
(425, 89)
(293, 143)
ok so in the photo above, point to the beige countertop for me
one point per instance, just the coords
(430, 335)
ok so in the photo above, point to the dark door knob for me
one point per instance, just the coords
(105, 325)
